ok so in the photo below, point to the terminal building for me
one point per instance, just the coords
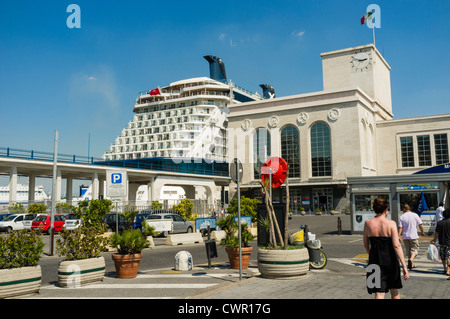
(343, 145)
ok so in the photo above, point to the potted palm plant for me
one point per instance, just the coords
(231, 241)
(129, 245)
(20, 274)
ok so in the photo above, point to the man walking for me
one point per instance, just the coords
(407, 229)
(439, 212)
(443, 233)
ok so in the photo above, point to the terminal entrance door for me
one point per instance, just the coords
(322, 199)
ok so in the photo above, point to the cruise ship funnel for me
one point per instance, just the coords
(268, 91)
(216, 68)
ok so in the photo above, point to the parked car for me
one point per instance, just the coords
(3, 216)
(29, 221)
(14, 222)
(180, 225)
(72, 222)
(43, 222)
(110, 221)
(143, 215)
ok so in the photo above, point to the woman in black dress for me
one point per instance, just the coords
(382, 243)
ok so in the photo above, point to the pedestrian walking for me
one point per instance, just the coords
(443, 234)
(439, 211)
(382, 243)
(407, 230)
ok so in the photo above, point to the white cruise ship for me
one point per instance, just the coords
(22, 194)
(187, 118)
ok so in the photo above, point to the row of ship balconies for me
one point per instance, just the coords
(157, 100)
(219, 153)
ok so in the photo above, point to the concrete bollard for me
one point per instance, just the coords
(183, 261)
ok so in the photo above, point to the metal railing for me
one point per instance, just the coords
(179, 165)
(46, 156)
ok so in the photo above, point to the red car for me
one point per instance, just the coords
(42, 223)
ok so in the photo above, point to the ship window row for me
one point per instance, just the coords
(424, 150)
(219, 153)
(127, 134)
(160, 98)
(200, 117)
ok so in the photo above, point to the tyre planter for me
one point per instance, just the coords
(127, 265)
(283, 264)
(20, 282)
(76, 273)
(233, 256)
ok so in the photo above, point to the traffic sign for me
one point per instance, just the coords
(278, 168)
(116, 183)
(236, 170)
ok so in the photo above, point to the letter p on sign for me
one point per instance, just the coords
(116, 178)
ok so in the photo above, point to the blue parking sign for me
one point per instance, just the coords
(116, 178)
(116, 183)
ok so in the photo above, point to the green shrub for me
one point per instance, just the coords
(248, 207)
(93, 211)
(129, 242)
(20, 248)
(230, 226)
(36, 208)
(17, 208)
(81, 243)
(184, 209)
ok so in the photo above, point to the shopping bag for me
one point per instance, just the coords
(433, 253)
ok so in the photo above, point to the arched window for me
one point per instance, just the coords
(320, 150)
(290, 149)
(261, 150)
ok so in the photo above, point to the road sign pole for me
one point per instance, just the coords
(236, 172)
(239, 221)
(54, 184)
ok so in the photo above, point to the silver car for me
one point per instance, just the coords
(180, 225)
(72, 222)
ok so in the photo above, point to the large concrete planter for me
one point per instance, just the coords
(20, 282)
(76, 273)
(283, 264)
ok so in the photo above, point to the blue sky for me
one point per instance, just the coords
(84, 81)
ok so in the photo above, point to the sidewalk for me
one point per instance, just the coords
(341, 279)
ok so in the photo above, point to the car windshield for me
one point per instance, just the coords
(72, 216)
(154, 217)
(10, 218)
(30, 217)
(41, 218)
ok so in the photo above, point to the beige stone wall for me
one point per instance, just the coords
(343, 112)
(388, 140)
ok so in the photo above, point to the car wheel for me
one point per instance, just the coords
(189, 230)
(8, 230)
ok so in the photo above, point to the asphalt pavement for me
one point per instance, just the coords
(343, 278)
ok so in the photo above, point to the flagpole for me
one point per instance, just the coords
(373, 28)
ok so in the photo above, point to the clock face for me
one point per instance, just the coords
(361, 61)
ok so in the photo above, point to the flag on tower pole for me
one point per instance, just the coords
(368, 17)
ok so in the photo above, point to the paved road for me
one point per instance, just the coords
(343, 277)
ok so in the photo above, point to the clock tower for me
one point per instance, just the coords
(362, 67)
